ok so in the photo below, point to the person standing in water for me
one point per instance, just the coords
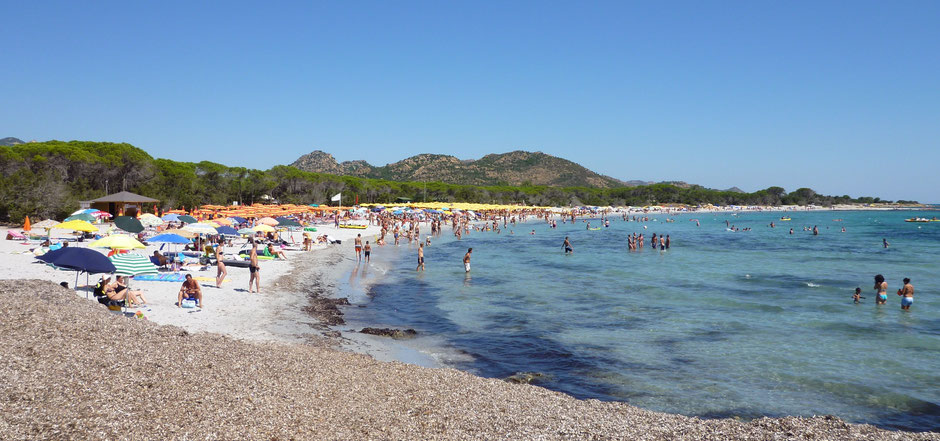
(420, 257)
(466, 260)
(359, 247)
(881, 290)
(367, 252)
(884, 242)
(567, 246)
(907, 294)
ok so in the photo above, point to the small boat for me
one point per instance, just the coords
(784, 219)
(354, 227)
(919, 219)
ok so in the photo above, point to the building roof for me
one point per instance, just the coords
(124, 196)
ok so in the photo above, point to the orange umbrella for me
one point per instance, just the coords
(26, 226)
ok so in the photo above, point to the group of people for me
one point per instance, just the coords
(906, 293)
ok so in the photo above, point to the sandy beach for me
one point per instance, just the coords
(72, 370)
(250, 366)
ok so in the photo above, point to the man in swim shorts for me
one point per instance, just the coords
(253, 269)
(367, 251)
(907, 294)
(420, 257)
(359, 247)
(466, 260)
(567, 246)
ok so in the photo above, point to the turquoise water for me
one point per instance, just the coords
(723, 324)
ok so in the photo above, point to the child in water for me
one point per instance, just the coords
(857, 295)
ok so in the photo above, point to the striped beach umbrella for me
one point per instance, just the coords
(200, 229)
(131, 264)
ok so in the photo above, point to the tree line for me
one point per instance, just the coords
(48, 179)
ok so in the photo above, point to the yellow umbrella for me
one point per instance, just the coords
(264, 228)
(119, 241)
(77, 225)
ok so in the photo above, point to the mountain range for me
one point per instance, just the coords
(10, 141)
(513, 168)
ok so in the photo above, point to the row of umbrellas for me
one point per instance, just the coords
(84, 260)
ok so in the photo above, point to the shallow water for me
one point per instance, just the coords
(723, 324)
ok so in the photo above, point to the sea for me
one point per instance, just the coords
(725, 323)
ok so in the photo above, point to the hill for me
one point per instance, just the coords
(11, 141)
(513, 168)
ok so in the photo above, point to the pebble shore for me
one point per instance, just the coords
(70, 369)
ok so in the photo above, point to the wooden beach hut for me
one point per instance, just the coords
(121, 203)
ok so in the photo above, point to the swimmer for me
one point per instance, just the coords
(857, 295)
(907, 294)
(881, 290)
(884, 242)
(567, 246)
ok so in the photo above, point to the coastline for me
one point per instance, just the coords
(287, 316)
(104, 376)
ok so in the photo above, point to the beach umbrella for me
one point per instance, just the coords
(171, 217)
(185, 233)
(268, 221)
(77, 225)
(222, 221)
(99, 214)
(47, 224)
(264, 228)
(149, 220)
(49, 256)
(81, 216)
(227, 230)
(81, 259)
(129, 224)
(169, 238)
(238, 219)
(132, 264)
(286, 222)
(26, 225)
(187, 219)
(200, 228)
(117, 241)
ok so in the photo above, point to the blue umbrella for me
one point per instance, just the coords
(240, 220)
(51, 255)
(172, 217)
(226, 230)
(169, 238)
(81, 259)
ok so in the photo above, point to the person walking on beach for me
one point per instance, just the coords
(367, 251)
(220, 276)
(253, 269)
(907, 294)
(420, 257)
(466, 260)
(359, 247)
(881, 290)
(567, 246)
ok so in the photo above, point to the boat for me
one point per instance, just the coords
(784, 219)
(920, 219)
(354, 227)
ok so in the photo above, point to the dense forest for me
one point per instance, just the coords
(48, 179)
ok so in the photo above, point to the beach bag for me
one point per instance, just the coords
(188, 303)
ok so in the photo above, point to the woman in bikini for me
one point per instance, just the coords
(881, 289)
(118, 291)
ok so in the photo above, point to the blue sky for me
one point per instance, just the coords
(842, 97)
